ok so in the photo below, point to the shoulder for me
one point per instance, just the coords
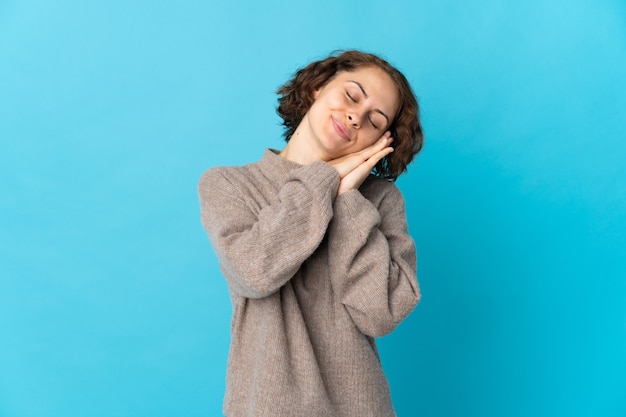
(384, 195)
(225, 177)
(374, 188)
(216, 175)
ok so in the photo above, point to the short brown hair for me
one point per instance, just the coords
(296, 98)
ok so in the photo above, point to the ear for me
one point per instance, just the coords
(316, 93)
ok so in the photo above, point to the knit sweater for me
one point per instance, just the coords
(313, 277)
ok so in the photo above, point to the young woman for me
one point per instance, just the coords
(313, 243)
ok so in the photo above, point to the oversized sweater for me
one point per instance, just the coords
(313, 277)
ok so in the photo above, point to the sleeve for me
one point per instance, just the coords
(373, 260)
(260, 249)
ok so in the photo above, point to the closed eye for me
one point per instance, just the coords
(350, 97)
(373, 124)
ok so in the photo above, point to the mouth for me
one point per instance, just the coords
(340, 129)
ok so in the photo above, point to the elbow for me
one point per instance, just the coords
(379, 329)
(257, 290)
(384, 321)
(417, 298)
(252, 286)
(375, 325)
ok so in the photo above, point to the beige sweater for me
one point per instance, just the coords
(313, 278)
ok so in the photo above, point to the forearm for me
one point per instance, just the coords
(261, 245)
(373, 263)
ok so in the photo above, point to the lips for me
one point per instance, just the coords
(340, 129)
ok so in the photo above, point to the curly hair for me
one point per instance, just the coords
(296, 97)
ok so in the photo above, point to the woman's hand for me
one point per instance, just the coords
(355, 167)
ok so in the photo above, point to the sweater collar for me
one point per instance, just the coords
(274, 166)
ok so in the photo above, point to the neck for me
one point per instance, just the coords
(301, 150)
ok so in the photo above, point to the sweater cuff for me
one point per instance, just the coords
(318, 172)
(355, 212)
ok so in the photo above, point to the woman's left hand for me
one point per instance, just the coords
(354, 168)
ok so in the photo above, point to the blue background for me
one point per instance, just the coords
(111, 301)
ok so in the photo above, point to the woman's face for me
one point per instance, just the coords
(352, 111)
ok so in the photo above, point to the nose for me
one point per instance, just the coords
(354, 119)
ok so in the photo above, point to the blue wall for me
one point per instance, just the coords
(111, 302)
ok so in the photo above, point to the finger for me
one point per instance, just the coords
(345, 164)
(374, 159)
(381, 143)
(355, 178)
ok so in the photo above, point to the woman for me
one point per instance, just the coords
(313, 243)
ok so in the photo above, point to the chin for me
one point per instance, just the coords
(333, 148)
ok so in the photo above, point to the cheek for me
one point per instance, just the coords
(365, 140)
(314, 111)
(334, 100)
(371, 136)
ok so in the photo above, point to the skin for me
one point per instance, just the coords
(347, 125)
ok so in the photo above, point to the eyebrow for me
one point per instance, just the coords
(366, 96)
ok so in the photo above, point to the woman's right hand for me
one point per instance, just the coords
(354, 168)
